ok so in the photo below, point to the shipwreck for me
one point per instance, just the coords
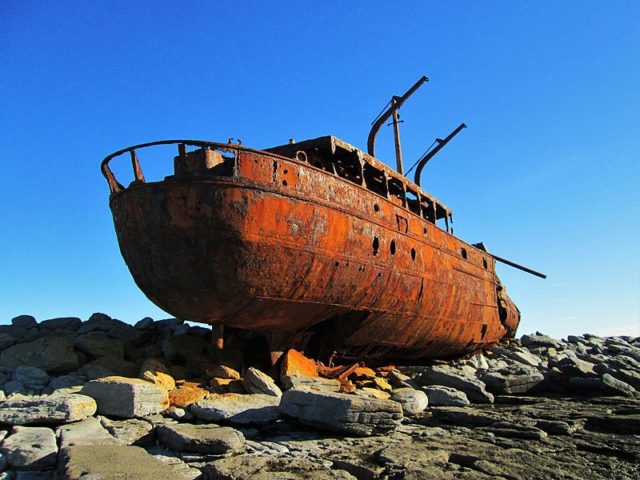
(315, 245)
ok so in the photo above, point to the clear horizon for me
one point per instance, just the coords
(546, 174)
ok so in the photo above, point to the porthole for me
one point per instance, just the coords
(376, 207)
(375, 245)
(484, 263)
(413, 254)
(284, 182)
(392, 247)
(463, 252)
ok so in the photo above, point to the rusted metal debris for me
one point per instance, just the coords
(315, 245)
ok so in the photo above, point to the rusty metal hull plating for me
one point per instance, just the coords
(294, 252)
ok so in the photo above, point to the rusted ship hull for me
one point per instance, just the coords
(304, 256)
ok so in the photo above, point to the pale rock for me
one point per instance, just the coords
(249, 466)
(132, 431)
(86, 432)
(512, 379)
(342, 412)
(209, 439)
(300, 382)
(412, 401)
(447, 377)
(257, 409)
(126, 397)
(52, 409)
(52, 354)
(30, 448)
(256, 381)
(179, 414)
(369, 392)
(85, 462)
(445, 396)
(540, 340)
(519, 355)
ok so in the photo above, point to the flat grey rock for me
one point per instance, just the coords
(242, 467)
(131, 431)
(342, 412)
(52, 409)
(106, 462)
(300, 382)
(52, 354)
(512, 379)
(209, 439)
(30, 448)
(126, 397)
(257, 409)
(86, 432)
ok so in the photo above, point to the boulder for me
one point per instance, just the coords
(300, 382)
(342, 412)
(295, 364)
(512, 379)
(156, 372)
(448, 377)
(24, 321)
(257, 409)
(540, 340)
(126, 397)
(370, 392)
(115, 462)
(445, 396)
(256, 381)
(86, 432)
(186, 393)
(6, 340)
(52, 354)
(617, 387)
(412, 401)
(519, 355)
(61, 323)
(400, 380)
(209, 439)
(53, 409)
(30, 448)
(96, 344)
(132, 431)
(65, 382)
(109, 366)
(33, 378)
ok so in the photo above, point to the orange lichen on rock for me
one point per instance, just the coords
(186, 393)
(295, 363)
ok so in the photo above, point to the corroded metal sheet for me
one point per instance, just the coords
(296, 250)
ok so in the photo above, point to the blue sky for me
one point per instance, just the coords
(546, 174)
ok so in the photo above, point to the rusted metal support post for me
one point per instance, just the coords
(396, 136)
(217, 336)
(135, 163)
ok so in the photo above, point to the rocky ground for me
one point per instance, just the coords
(102, 399)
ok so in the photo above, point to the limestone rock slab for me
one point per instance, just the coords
(258, 409)
(445, 396)
(200, 438)
(126, 397)
(30, 448)
(342, 412)
(52, 409)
